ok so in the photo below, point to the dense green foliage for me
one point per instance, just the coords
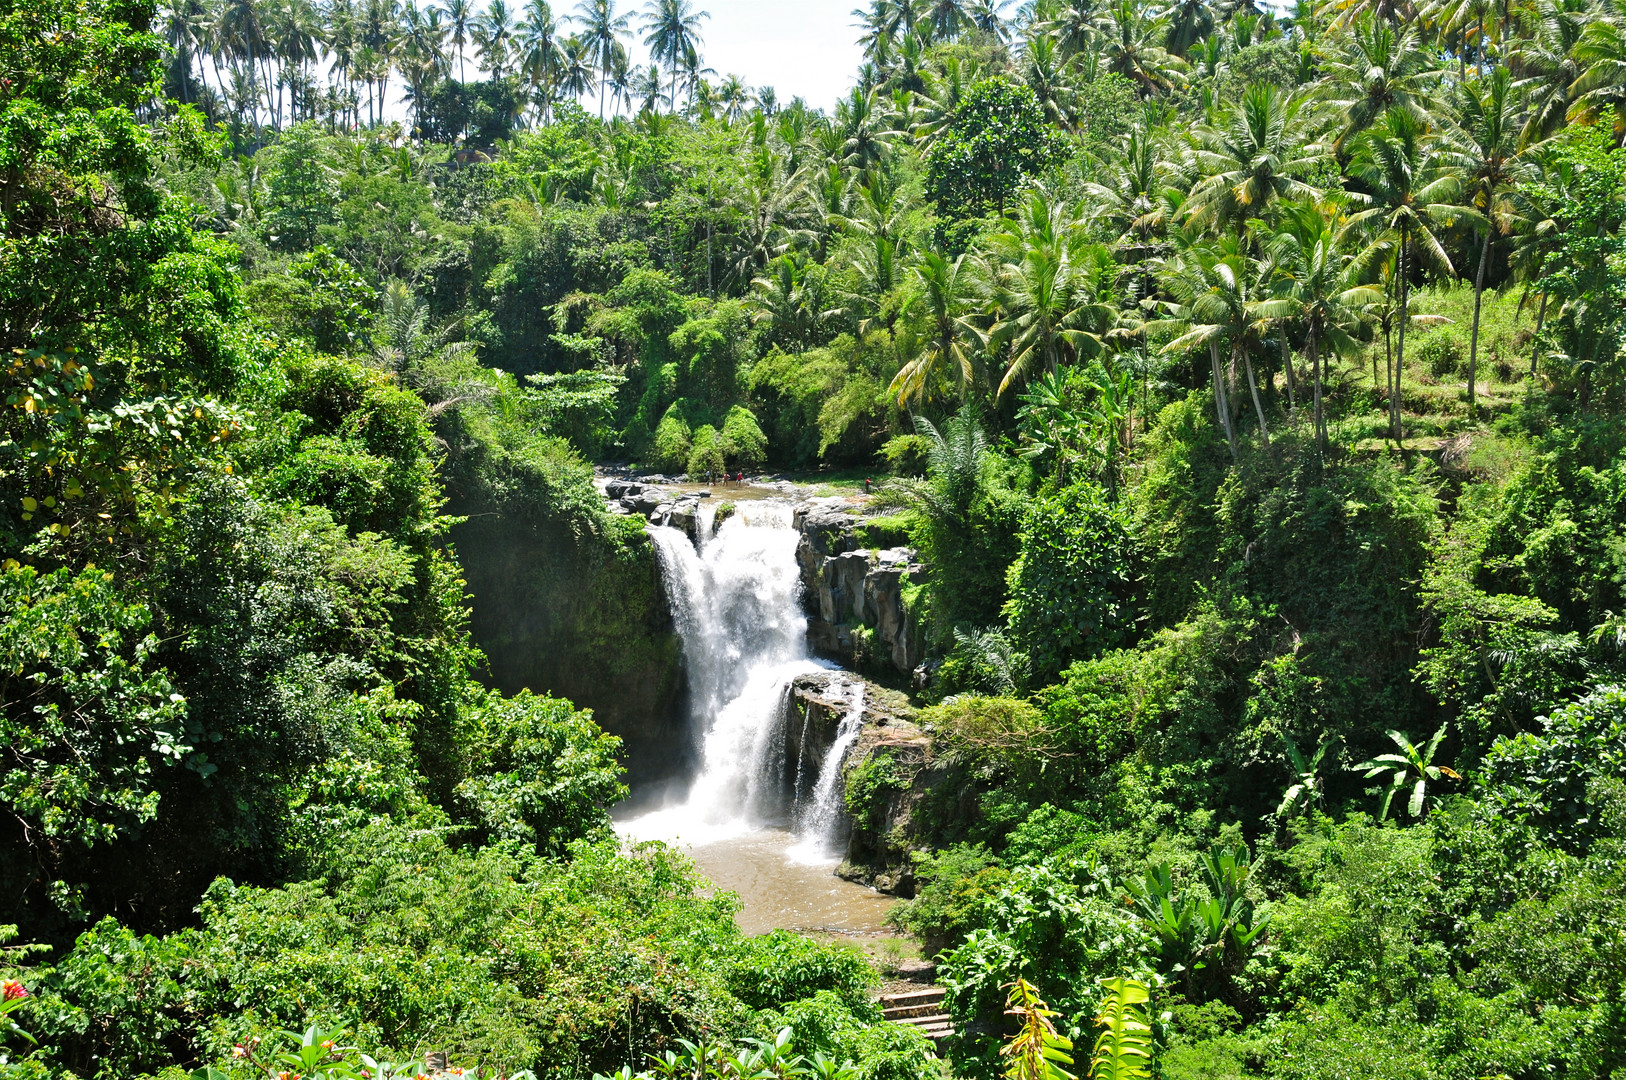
(1252, 387)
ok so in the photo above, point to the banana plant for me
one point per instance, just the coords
(1307, 788)
(1123, 1051)
(1410, 767)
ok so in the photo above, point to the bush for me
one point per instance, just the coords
(1545, 777)
(673, 443)
(1070, 586)
(742, 441)
(1443, 353)
(781, 967)
(705, 455)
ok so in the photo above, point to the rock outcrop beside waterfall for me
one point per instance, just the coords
(857, 615)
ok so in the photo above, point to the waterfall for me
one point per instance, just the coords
(737, 609)
(820, 819)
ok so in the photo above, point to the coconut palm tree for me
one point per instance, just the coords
(494, 38)
(1543, 61)
(1189, 22)
(541, 54)
(1047, 290)
(948, 293)
(185, 31)
(1381, 70)
(1413, 184)
(944, 20)
(577, 76)
(1047, 75)
(603, 30)
(1218, 290)
(459, 25)
(1201, 319)
(1489, 156)
(1317, 286)
(1129, 45)
(1257, 157)
(671, 30)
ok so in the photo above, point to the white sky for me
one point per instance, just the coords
(801, 48)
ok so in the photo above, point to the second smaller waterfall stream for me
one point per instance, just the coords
(753, 827)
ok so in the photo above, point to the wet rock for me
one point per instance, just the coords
(685, 517)
(647, 500)
(620, 489)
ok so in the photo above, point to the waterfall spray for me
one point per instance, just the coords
(737, 608)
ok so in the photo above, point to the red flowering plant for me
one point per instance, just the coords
(14, 996)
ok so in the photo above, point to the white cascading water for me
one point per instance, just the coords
(738, 613)
(820, 820)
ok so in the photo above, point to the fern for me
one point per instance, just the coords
(1124, 1049)
(1036, 1051)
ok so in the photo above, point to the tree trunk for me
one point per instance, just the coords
(1292, 381)
(1315, 376)
(1222, 407)
(1400, 346)
(1535, 344)
(1253, 389)
(1473, 337)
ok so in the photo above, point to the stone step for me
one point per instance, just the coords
(928, 996)
(938, 1019)
(905, 1012)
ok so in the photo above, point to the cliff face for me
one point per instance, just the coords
(584, 618)
(854, 596)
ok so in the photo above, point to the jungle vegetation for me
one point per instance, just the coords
(1251, 381)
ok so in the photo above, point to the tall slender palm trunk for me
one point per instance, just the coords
(1222, 405)
(1535, 345)
(1315, 377)
(1400, 346)
(1473, 339)
(1253, 389)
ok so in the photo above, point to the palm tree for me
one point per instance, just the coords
(1601, 52)
(1190, 22)
(735, 97)
(577, 77)
(672, 29)
(541, 55)
(945, 19)
(1381, 70)
(866, 135)
(1411, 767)
(948, 293)
(1490, 158)
(1047, 75)
(1412, 189)
(1317, 285)
(185, 32)
(1129, 45)
(1046, 290)
(1254, 160)
(1072, 25)
(493, 37)
(984, 16)
(241, 32)
(1133, 194)
(1544, 63)
(1218, 293)
(459, 24)
(602, 29)
(1190, 284)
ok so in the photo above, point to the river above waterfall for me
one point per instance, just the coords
(760, 813)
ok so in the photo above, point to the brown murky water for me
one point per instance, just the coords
(779, 889)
